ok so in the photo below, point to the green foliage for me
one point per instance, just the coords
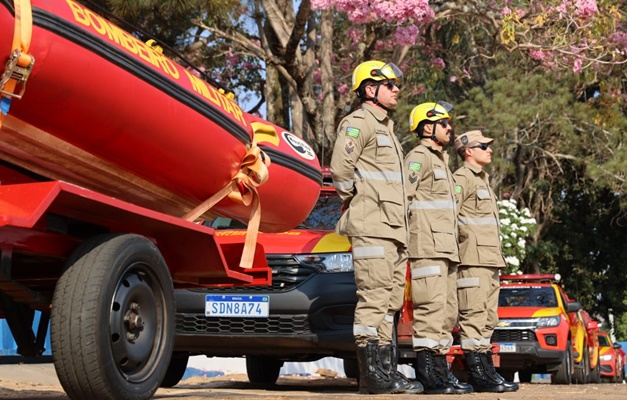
(540, 122)
(620, 326)
(166, 21)
(587, 246)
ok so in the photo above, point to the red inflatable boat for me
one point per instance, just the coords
(107, 112)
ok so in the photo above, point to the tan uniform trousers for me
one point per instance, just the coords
(478, 294)
(434, 295)
(380, 267)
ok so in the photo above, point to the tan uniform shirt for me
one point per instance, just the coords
(478, 215)
(367, 167)
(432, 214)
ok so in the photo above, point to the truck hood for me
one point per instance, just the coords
(527, 312)
(296, 241)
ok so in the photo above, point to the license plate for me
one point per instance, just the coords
(507, 347)
(237, 306)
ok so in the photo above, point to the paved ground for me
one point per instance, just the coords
(39, 382)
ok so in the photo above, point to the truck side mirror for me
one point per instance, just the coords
(573, 306)
(592, 325)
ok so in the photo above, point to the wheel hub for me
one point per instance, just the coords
(135, 323)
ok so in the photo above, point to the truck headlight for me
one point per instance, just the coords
(328, 262)
(606, 357)
(546, 322)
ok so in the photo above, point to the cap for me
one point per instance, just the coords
(470, 137)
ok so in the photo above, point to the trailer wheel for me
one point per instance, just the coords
(112, 320)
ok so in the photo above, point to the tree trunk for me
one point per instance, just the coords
(274, 97)
(328, 84)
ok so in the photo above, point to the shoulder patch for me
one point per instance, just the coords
(458, 188)
(352, 132)
(415, 166)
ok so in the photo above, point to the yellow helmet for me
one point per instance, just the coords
(376, 71)
(429, 111)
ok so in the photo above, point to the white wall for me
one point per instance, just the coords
(238, 366)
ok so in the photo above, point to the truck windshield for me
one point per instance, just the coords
(325, 214)
(527, 297)
(603, 341)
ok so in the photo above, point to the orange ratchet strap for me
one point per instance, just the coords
(20, 63)
(243, 189)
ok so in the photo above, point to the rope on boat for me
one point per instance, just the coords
(20, 63)
(243, 189)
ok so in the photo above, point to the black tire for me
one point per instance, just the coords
(524, 376)
(176, 370)
(564, 374)
(351, 368)
(263, 370)
(112, 320)
(582, 371)
(595, 373)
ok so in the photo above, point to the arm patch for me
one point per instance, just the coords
(353, 132)
(415, 166)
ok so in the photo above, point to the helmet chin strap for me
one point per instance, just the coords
(375, 99)
(432, 137)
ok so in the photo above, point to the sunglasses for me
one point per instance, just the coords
(443, 122)
(391, 84)
(482, 146)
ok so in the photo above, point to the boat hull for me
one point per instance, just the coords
(99, 101)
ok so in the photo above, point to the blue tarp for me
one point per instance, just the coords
(624, 344)
(8, 347)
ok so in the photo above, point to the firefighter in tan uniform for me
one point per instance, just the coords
(432, 246)
(481, 257)
(368, 175)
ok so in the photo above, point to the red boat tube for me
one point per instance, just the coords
(108, 112)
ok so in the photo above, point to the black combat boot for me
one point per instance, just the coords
(430, 377)
(372, 377)
(488, 364)
(441, 366)
(389, 361)
(477, 376)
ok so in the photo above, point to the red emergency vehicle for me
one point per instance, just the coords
(541, 330)
(612, 359)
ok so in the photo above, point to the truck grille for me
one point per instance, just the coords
(289, 325)
(513, 335)
(287, 273)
